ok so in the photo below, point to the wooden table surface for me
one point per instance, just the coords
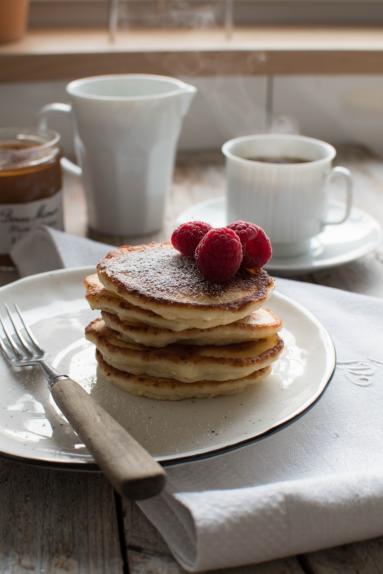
(69, 522)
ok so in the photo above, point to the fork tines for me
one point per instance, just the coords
(17, 341)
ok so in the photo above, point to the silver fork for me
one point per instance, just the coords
(128, 466)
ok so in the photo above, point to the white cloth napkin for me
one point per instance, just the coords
(44, 249)
(316, 483)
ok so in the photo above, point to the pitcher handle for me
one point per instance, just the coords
(68, 165)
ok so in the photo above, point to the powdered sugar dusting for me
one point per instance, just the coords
(158, 270)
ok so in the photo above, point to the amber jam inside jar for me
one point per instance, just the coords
(30, 184)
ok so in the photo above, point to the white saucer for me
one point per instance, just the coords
(336, 245)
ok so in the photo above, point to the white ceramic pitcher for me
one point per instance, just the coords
(126, 133)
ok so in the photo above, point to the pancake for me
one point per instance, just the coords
(260, 324)
(100, 298)
(185, 363)
(169, 389)
(158, 278)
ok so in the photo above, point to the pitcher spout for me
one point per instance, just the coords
(187, 93)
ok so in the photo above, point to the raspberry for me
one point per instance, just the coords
(219, 255)
(255, 243)
(187, 236)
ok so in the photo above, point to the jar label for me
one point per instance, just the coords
(18, 218)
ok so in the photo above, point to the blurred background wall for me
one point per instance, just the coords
(335, 108)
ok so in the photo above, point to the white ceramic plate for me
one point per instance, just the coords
(33, 429)
(336, 245)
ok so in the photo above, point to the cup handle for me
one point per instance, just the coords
(68, 165)
(347, 176)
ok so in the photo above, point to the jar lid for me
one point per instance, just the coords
(21, 147)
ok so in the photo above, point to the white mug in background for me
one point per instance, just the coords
(281, 183)
(126, 133)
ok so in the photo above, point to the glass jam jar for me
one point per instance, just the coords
(30, 184)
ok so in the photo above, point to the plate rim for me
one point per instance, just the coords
(91, 466)
(329, 263)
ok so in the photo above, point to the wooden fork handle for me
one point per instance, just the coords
(130, 468)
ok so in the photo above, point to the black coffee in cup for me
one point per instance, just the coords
(279, 160)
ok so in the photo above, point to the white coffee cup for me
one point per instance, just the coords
(126, 133)
(289, 200)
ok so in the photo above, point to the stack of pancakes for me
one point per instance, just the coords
(167, 333)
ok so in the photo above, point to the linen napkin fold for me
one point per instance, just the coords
(316, 483)
(45, 248)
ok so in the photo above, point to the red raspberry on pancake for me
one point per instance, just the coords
(219, 255)
(255, 244)
(187, 236)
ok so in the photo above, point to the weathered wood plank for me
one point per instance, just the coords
(140, 533)
(56, 522)
(364, 276)
(359, 558)
(147, 563)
